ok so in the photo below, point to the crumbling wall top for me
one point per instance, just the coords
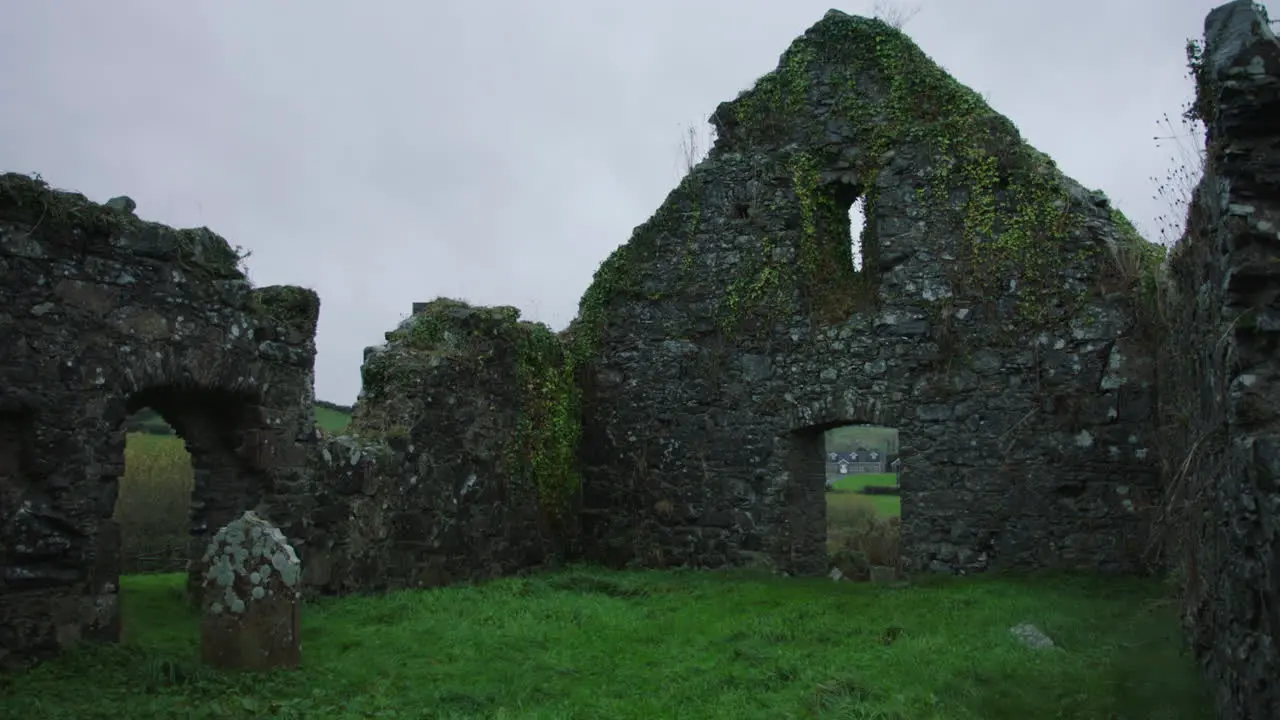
(71, 220)
(67, 224)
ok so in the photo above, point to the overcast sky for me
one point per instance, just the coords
(389, 151)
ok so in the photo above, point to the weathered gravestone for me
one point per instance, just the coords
(251, 598)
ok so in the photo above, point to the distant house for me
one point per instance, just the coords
(855, 462)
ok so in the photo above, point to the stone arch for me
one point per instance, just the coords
(846, 408)
(222, 430)
(108, 313)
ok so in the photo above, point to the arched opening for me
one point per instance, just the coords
(153, 498)
(193, 461)
(839, 251)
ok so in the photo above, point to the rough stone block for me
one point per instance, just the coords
(251, 598)
(460, 460)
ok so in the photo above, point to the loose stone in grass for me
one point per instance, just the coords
(1031, 636)
(250, 598)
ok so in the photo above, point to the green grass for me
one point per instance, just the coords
(848, 490)
(586, 643)
(332, 420)
(148, 421)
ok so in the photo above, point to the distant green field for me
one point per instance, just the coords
(149, 421)
(331, 420)
(851, 486)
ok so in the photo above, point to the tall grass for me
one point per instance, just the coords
(153, 504)
(860, 536)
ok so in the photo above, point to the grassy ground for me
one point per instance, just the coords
(594, 644)
(847, 490)
(332, 420)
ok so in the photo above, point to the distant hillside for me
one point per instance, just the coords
(344, 409)
(870, 437)
(332, 417)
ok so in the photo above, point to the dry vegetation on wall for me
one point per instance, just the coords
(1182, 228)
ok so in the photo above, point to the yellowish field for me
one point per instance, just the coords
(154, 500)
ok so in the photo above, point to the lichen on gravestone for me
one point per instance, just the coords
(251, 598)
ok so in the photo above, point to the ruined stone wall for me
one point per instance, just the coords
(992, 323)
(1219, 373)
(460, 460)
(102, 314)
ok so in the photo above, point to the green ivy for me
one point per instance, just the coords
(549, 427)
(1015, 216)
(287, 305)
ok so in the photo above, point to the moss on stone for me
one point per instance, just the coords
(618, 278)
(66, 216)
(449, 326)
(549, 426)
(543, 450)
(1015, 216)
(288, 305)
(871, 81)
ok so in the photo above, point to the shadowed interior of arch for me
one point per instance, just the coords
(153, 500)
(189, 466)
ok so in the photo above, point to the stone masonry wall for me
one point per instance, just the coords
(102, 314)
(1219, 372)
(460, 461)
(992, 323)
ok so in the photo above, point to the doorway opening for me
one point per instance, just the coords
(863, 504)
(192, 463)
(153, 500)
